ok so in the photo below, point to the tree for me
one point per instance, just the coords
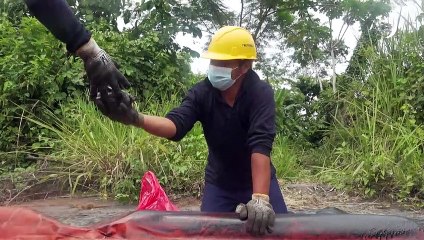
(93, 11)
(173, 16)
(259, 16)
(372, 30)
(306, 28)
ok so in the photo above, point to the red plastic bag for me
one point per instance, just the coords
(152, 195)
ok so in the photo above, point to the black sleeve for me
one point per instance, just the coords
(184, 116)
(261, 131)
(58, 18)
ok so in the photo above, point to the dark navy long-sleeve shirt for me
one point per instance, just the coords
(232, 133)
(58, 18)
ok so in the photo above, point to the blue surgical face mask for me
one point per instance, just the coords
(220, 77)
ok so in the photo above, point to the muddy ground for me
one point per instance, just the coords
(300, 198)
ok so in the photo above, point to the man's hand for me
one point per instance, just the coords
(118, 108)
(259, 214)
(106, 82)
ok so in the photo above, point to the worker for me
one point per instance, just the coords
(106, 82)
(237, 113)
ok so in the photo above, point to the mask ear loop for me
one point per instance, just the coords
(238, 76)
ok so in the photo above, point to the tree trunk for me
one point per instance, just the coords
(241, 13)
(333, 59)
(333, 63)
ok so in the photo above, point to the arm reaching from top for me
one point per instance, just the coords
(106, 81)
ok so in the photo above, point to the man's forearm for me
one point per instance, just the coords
(261, 173)
(158, 126)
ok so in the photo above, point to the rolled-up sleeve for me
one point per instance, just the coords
(184, 116)
(261, 131)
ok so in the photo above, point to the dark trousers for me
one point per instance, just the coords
(216, 199)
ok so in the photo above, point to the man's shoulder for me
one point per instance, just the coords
(257, 85)
(200, 87)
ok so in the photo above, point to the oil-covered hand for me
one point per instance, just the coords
(259, 214)
(118, 109)
(106, 83)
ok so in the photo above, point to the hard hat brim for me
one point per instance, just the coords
(221, 56)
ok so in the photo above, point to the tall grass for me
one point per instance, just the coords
(377, 145)
(94, 153)
(286, 157)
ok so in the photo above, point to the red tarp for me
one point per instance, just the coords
(16, 223)
(19, 223)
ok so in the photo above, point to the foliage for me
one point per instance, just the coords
(92, 153)
(12, 10)
(303, 111)
(286, 157)
(304, 31)
(370, 133)
(164, 16)
(35, 69)
(153, 68)
(96, 11)
(178, 16)
(376, 144)
(367, 136)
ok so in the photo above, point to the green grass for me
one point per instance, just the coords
(93, 153)
(286, 158)
(375, 147)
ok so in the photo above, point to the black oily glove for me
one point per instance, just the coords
(118, 109)
(106, 82)
(259, 214)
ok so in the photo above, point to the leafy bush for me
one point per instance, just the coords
(303, 112)
(34, 70)
(153, 69)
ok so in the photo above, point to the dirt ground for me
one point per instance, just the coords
(309, 198)
(300, 198)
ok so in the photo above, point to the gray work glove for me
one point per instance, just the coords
(106, 83)
(259, 214)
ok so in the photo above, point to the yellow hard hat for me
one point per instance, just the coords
(231, 42)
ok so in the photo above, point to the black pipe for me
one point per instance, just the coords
(188, 225)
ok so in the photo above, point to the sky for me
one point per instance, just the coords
(199, 65)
